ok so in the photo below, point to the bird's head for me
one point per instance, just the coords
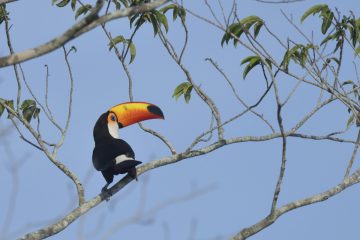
(123, 115)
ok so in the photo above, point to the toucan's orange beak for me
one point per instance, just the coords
(133, 112)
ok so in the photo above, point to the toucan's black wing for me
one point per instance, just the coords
(104, 153)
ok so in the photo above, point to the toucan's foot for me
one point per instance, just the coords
(132, 173)
(105, 191)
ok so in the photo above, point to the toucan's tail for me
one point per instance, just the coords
(125, 166)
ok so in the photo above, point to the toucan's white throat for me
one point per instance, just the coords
(113, 129)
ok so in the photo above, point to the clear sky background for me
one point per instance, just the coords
(241, 177)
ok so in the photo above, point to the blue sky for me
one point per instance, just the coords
(242, 177)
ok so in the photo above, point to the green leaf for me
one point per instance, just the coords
(187, 94)
(2, 108)
(115, 41)
(347, 82)
(132, 51)
(335, 60)
(235, 29)
(63, 3)
(117, 4)
(313, 10)
(154, 23)
(162, 20)
(82, 10)
(29, 109)
(133, 18)
(27, 103)
(257, 28)
(295, 55)
(339, 43)
(178, 91)
(253, 61)
(125, 3)
(327, 19)
(251, 20)
(238, 28)
(73, 4)
(350, 121)
(182, 13)
(185, 89)
(353, 30)
(268, 62)
(357, 50)
(328, 38)
(10, 103)
(248, 59)
(167, 8)
(175, 13)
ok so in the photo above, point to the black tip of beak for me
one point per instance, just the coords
(155, 110)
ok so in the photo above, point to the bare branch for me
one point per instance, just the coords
(356, 147)
(63, 133)
(270, 219)
(284, 143)
(16, 71)
(207, 100)
(216, 66)
(51, 157)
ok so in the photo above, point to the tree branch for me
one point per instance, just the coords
(88, 23)
(2, 2)
(270, 219)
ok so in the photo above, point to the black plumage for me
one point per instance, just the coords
(107, 148)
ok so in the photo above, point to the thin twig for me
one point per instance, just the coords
(16, 71)
(216, 66)
(47, 90)
(51, 157)
(351, 162)
(207, 100)
(270, 219)
(71, 90)
(284, 144)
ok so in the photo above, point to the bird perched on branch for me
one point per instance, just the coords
(112, 155)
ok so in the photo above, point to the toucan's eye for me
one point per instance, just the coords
(112, 117)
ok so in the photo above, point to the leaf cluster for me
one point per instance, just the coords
(155, 17)
(347, 26)
(4, 15)
(299, 54)
(84, 8)
(28, 108)
(128, 43)
(235, 30)
(253, 61)
(185, 89)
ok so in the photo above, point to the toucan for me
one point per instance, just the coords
(112, 155)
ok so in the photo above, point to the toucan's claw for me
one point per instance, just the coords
(105, 191)
(132, 173)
